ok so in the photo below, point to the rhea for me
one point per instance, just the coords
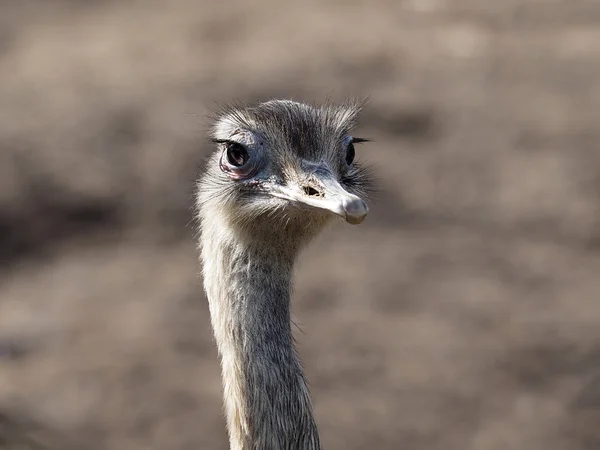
(281, 172)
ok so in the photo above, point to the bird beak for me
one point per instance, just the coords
(322, 191)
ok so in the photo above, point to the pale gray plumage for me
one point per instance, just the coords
(282, 171)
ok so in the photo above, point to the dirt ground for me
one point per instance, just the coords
(464, 314)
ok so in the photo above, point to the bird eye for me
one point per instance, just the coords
(237, 155)
(236, 161)
(350, 152)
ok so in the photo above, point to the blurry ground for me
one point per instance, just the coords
(462, 315)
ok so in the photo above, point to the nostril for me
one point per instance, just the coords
(312, 192)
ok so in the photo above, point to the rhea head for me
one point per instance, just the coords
(284, 170)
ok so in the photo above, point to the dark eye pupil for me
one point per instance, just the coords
(236, 154)
(350, 153)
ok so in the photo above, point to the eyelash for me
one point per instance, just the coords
(223, 141)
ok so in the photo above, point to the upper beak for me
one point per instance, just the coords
(322, 191)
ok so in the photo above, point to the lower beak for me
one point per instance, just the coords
(326, 193)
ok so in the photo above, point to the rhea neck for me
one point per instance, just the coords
(247, 279)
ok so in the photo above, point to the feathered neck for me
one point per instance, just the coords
(248, 288)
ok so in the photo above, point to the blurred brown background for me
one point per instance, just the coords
(462, 315)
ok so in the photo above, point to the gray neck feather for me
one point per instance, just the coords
(248, 287)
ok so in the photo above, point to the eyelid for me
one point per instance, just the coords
(357, 140)
(225, 141)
